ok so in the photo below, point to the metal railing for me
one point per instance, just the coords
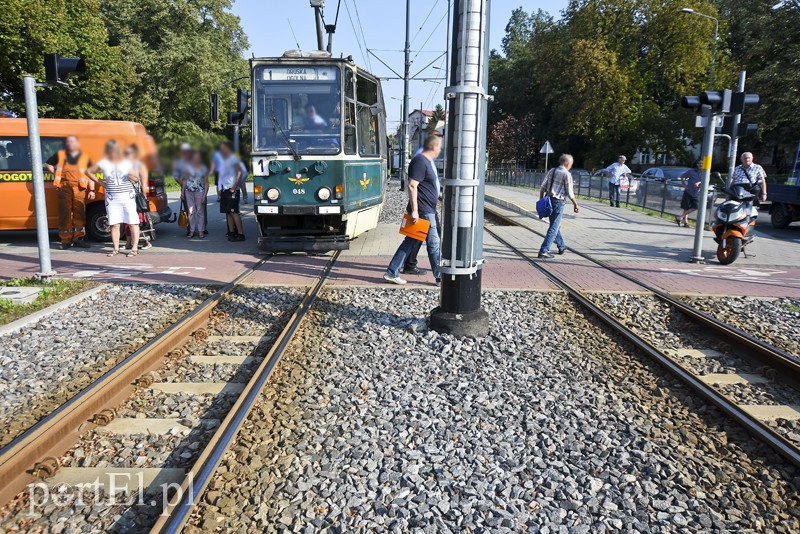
(663, 198)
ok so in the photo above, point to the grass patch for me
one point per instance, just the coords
(54, 291)
(792, 308)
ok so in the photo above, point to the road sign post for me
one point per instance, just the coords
(547, 149)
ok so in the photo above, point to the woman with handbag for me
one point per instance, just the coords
(142, 204)
(195, 191)
(118, 180)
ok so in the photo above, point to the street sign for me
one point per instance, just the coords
(547, 148)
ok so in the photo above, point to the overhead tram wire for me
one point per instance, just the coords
(431, 35)
(419, 30)
(363, 36)
(355, 32)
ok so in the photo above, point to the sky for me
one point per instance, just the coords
(272, 31)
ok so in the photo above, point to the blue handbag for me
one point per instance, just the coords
(544, 206)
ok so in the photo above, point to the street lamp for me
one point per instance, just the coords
(691, 11)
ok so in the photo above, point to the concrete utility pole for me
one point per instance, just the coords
(733, 147)
(459, 311)
(42, 235)
(404, 140)
(707, 156)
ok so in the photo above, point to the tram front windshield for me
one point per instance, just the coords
(297, 107)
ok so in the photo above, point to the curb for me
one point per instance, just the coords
(36, 316)
(511, 206)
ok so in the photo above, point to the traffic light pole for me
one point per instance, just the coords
(406, 74)
(40, 206)
(707, 156)
(459, 311)
(734, 144)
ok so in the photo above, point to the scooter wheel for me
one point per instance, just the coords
(728, 254)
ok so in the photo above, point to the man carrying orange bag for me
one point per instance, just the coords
(423, 194)
(68, 166)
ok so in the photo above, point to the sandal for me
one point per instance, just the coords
(132, 253)
(112, 254)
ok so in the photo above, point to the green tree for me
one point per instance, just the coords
(29, 29)
(179, 50)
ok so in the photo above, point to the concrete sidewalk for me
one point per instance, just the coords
(656, 249)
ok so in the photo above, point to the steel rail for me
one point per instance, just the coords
(758, 428)
(57, 432)
(177, 513)
(781, 360)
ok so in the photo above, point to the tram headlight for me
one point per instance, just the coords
(273, 194)
(323, 193)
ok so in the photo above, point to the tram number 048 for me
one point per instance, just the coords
(299, 191)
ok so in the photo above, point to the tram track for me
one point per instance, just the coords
(782, 364)
(33, 457)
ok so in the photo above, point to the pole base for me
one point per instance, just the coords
(698, 259)
(45, 277)
(473, 324)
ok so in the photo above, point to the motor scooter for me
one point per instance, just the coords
(733, 224)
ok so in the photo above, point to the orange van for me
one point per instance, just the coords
(16, 180)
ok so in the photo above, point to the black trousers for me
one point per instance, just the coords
(411, 259)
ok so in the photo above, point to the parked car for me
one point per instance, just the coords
(669, 175)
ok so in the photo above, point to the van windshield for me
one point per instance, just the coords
(297, 107)
(15, 152)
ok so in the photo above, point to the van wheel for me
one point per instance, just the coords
(780, 216)
(728, 254)
(97, 222)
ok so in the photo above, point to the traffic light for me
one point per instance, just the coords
(242, 101)
(720, 101)
(213, 104)
(691, 102)
(740, 100)
(234, 117)
(57, 69)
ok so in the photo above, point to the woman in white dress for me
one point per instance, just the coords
(118, 180)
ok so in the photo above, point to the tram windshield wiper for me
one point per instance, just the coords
(277, 125)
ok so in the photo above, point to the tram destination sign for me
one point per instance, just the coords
(282, 74)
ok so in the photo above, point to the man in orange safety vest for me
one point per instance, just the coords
(68, 166)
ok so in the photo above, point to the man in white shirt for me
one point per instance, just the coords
(230, 177)
(616, 172)
(752, 176)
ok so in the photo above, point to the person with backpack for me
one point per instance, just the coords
(558, 186)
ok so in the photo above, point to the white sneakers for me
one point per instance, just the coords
(393, 279)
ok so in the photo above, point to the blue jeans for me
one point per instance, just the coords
(408, 244)
(554, 230)
(613, 191)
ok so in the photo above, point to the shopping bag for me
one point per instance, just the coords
(183, 216)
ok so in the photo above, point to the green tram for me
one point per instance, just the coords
(318, 151)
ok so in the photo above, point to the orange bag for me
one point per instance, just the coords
(418, 230)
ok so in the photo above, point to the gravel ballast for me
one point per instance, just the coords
(549, 425)
(46, 363)
(394, 204)
(775, 320)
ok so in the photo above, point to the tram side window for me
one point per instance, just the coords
(350, 128)
(367, 123)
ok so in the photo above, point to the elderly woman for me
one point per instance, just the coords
(118, 180)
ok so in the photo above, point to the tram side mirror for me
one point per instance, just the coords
(213, 104)
(376, 109)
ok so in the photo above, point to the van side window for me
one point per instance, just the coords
(367, 95)
(15, 153)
